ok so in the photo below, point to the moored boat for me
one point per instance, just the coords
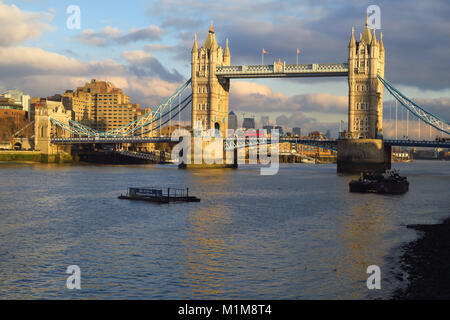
(390, 182)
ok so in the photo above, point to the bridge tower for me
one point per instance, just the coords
(44, 129)
(210, 95)
(365, 150)
(366, 60)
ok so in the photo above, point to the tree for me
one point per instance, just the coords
(9, 126)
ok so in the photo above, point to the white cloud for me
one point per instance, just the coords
(111, 35)
(159, 47)
(42, 73)
(18, 26)
(256, 97)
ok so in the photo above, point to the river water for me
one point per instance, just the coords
(297, 235)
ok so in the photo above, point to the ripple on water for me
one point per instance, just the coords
(298, 234)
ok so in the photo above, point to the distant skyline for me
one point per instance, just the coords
(144, 48)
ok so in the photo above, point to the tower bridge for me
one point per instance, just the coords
(282, 70)
(208, 102)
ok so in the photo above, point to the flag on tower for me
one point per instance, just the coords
(262, 55)
(298, 51)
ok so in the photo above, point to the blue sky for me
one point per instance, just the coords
(144, 48)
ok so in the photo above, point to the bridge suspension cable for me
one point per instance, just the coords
(424, 115)
(132, 128)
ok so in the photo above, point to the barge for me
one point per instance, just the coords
(390, 182)
(159, 195)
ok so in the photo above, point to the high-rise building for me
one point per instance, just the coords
(280, 129)
(101, 106)
(232, 121)
(20, 98)
(265, 121)
(249, 123)
(297, 131)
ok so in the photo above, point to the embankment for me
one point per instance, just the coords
(34, 156)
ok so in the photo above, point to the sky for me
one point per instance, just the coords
(144, 48)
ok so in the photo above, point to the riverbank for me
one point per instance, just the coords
(34, 156)
(427, 263)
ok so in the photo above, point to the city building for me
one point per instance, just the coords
(297, 131)
(265, 121)
(232, 121)
(20, 98)
(65, 100)
(12, 118)
(101, 106)
(9, 108)
(280, 129)
(249, 123)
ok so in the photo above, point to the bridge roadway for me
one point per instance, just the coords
(322, 143)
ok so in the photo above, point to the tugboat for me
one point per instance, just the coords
(390, 182)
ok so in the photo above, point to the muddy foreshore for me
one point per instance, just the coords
(427, 263)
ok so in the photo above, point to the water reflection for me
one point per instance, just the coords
(207, 258)
(297, 235)
(363, 227)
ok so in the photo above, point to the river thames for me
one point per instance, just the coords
(297, 235)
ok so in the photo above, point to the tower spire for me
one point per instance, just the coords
(352, 39)
(195, 47)
(366, 36)
(374, 38)
(227, 49)
(226, 54)
(211, 41)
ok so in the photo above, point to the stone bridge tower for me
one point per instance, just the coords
(366, 60)
(365, 150)
(44, 129)
(210, 94)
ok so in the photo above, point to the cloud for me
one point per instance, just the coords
(294, 120)
(110, 35)
(98, 39)
(415, 35)
(18, 26)
(42, 73)
(159, 47)
(144, 64)
(255, 97)
(150, 33)
(307, 124)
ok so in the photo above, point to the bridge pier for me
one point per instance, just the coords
(357, 155)
(210, 155)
